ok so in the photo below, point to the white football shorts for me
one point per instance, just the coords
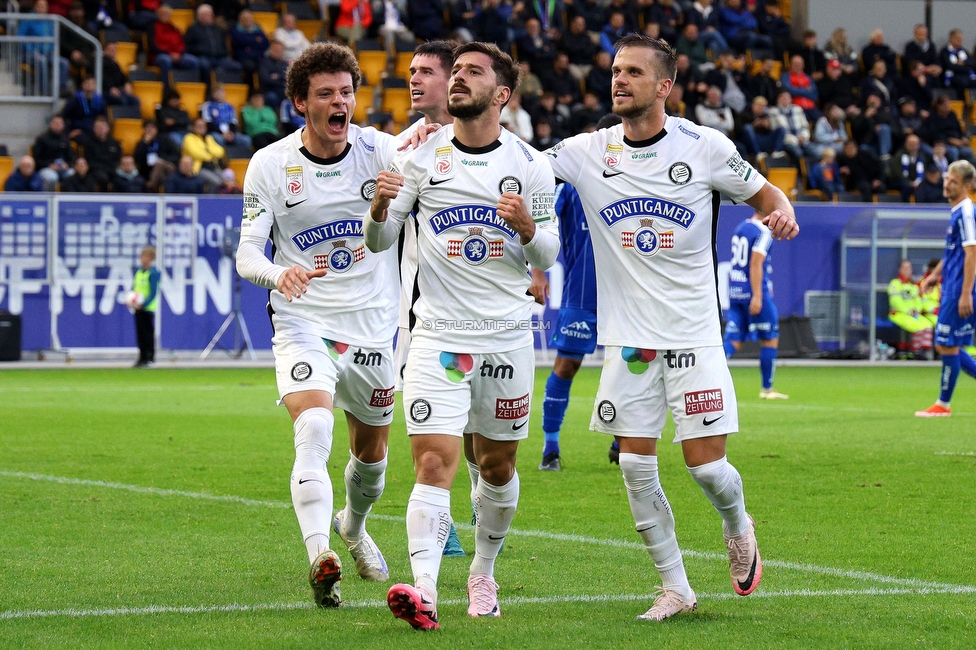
(400, 355)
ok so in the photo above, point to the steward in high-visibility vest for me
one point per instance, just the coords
(146, 284)
(904, 303)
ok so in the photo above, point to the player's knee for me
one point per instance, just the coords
(313, 438)
(433, 468)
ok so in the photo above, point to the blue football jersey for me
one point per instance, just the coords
(750, 235)
(961, 232)
(579, 289)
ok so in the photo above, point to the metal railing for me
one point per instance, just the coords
(30, 57)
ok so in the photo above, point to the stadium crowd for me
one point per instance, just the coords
(881, 124)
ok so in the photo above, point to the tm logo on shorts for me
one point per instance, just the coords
(301, 371)
(606, 411)
(704, 401)
(420, 410)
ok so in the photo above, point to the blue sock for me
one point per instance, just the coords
(966, 363)
(729, 349)
(950, 373)
(554, 405)
(767, 366)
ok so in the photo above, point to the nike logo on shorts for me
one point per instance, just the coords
(709, 423)
(518, 425)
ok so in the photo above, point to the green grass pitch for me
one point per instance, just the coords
(152, 509)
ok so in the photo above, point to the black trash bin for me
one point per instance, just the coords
(9, 336)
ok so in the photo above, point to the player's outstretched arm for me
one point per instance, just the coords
(379, 234)
(780, 218)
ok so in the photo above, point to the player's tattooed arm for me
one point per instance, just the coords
(780, 218)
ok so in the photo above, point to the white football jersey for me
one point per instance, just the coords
(473, 277)
(312, 208)
(408, 249)
(652, 207)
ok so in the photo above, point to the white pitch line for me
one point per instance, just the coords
(515, 601)
(913, 583)
(955, 453)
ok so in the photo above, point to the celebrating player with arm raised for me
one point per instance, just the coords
(650, 189)
(483, 210)
(333, 303)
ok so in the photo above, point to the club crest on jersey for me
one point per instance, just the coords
(294, 180)
(444, 160)
(341, 258)
(475, 249)
(510, 184)
(646, 240)
(648, 206)
(368, 190)
(613, 154)
(679, 173)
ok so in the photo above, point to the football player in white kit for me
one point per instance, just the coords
(333, 303)
(484, 211)
(650, 190)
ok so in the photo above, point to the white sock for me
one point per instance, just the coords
(722, 485)
(311, 488)
(654, 521)
(428, 525)
(494, 509)
(364, 486)
(474, 474)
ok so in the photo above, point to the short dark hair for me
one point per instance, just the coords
(318, 58)
(506, 70)
(667, 57)
(443, 50)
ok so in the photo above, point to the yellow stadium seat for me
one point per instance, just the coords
(236, 94)
(311, 28)
(784, 178)
(150, 93)
(267, 21)
(364, 104)
(239, 165)
(958, 106)
(128, 132)
(373, 65)
(396, 102)
(182, 18)
(6, 169)
(125, 55)
(193, 94)
(402, 66)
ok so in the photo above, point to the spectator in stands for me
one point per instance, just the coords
(172, 118)
(562, 84)
(838, 49)
(801, 87)
(666, 14)
(530, 87)
(814, 59)
(426, 19)
(115, 82)
(355, 17)
(248, 44)
(876, 50)
(156, 156)
(292, 39)
(221, 118)
(550, 111)
(260, 121)
(907, 169)
(24, 178)
(930, 189)
(81, 181)
(166, 46)
(81, 110)
(784, 113)
(830, 130)
(227, 11)
(536, 47)
(491, 23)
(904, 309)
(705, 17)
(730, 81)
(544, 139)
(53, 153)
(740, 29)
(773, 25)
(908, 122)
(291, 120)
(141, 14)
(206, 153)
(918, 86)
(271, 74)
(392, 28)
(41, 56)
(759, 135)
(714, 113)
(463, 15)
(207, 42)
(229, 184)
(861, 171)
(579, 47)
(586, 115)
(959, 72)
(102, 151)
(921, 48)
(693, 47)
(127, 179)
(600, 80)
(879, 84)
(943, 124)
(186, 180)
(516, 119)
(613, 31)
(939, 156)
(675, 104)
(78, 50)
(763, 84)
(690, 81)
(825, 175)
(872, 128)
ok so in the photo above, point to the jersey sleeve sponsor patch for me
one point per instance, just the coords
(740, 167)
(542, 206)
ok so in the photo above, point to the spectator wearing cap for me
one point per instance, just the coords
(930, 189)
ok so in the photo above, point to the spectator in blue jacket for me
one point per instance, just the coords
(221, 118)
(81, 110)
(613, 31)
(25, 178)
(825, 175)
(248, 44)
(740, 28)
(41, 56)
(183, 180)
